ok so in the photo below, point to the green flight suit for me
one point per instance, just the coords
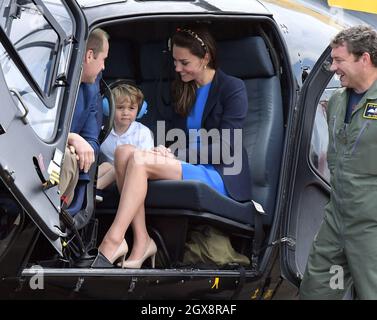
(348, 234)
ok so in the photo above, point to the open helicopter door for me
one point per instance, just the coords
(309, 189)
(40, 61)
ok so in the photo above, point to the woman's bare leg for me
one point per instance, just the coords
(141, 167)
(122, 154)
(106, 171)
(140, 234)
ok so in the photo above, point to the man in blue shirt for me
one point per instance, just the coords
(83, 144)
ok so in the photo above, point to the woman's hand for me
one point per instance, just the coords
(163, 151)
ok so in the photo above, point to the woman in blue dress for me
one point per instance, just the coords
(204, 98)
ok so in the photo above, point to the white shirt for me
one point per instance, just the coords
(137, 134)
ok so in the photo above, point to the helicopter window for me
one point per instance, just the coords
(319, 141)
(25, 28)
(33, 51)
(41, 118)
(320, 137)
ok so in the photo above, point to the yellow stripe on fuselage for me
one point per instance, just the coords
(358, 5)
(296, 6)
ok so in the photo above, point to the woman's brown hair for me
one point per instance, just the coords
(199, 41)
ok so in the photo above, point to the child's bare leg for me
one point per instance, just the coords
(106, 175)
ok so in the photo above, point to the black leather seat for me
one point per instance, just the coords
(120, 63)
(156, 70)
(198, 197)
(263, 132)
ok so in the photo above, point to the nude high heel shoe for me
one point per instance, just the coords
(120, 252)
(102, 262)
(136, 264)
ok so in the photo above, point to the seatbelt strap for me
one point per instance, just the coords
(68, 221)
(258, 234)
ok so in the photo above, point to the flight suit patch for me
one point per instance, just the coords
(370, 111)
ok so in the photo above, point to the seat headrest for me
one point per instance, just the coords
(155, 61)
(120, 64)
(245, 58)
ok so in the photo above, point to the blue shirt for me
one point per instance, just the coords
(353, 99)
(194, 120)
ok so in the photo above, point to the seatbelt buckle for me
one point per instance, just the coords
(259, 208)
(54, 169)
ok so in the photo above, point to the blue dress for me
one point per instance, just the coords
(205, 173)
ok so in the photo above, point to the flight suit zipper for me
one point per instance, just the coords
(334, 133)
(363, 128)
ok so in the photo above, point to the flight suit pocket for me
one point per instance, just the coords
(364, 150)
(365, 162)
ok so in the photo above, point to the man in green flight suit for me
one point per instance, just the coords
(345, 248)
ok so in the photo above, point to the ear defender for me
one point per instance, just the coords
(143, 110)
(105, 106)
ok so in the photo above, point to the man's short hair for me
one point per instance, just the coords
(96, 40)
(358, 39)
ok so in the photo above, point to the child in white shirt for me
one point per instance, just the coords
(128, 100)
